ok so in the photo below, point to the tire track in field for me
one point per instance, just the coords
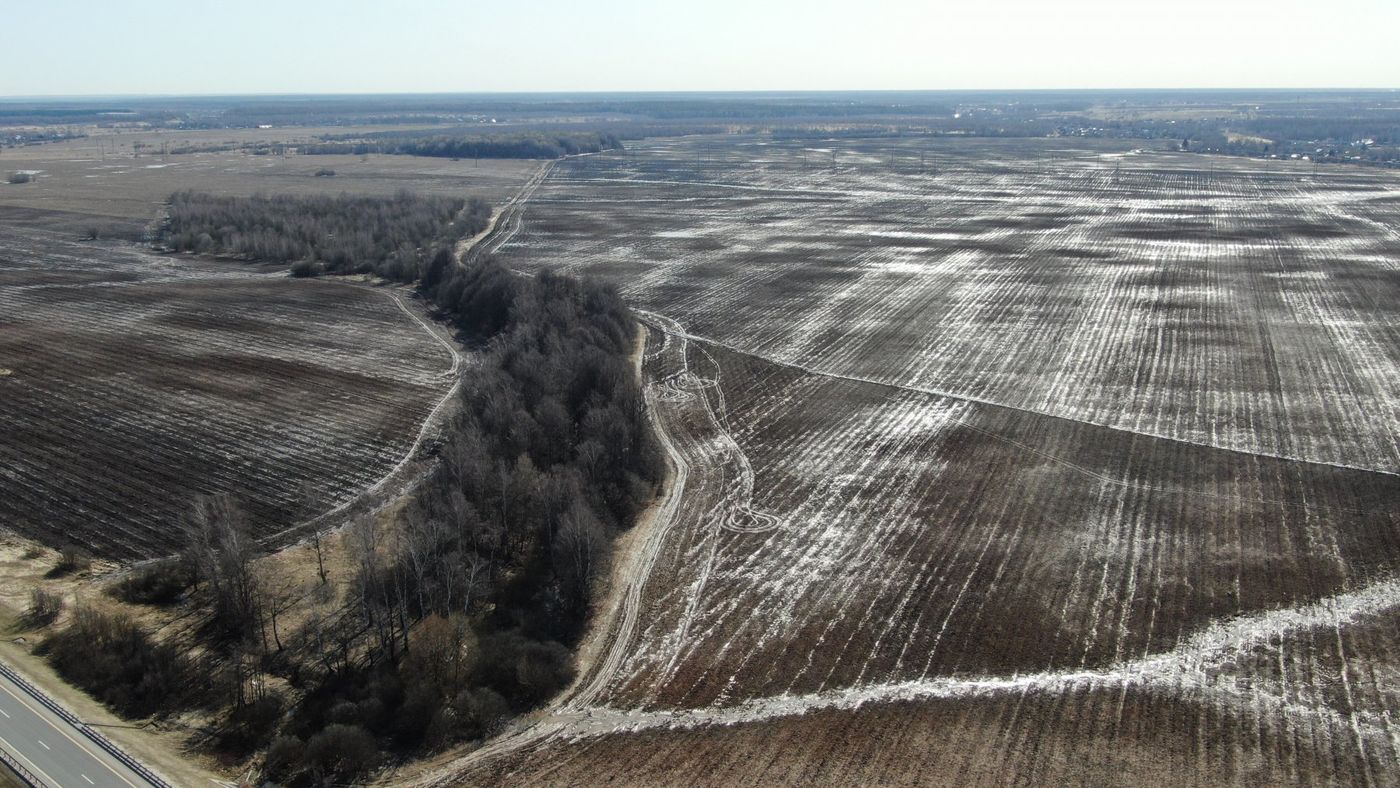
(1030, 411)
(1189, 665)
(1189, 669)
(624, 608)
(431, 424)
(674, 395)
(508, 222)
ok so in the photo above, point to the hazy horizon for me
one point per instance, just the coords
(88, 49)
(1186, 89)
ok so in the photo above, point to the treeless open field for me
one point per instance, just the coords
(134, 382)
(1028, 463)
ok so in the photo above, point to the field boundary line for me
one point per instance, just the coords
(1031, 411)
(1190, 661)
(429, 425)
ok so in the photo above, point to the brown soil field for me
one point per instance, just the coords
(139, 381)
(122, 187)
(1028, 464)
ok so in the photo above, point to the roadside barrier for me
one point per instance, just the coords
(92, 735)
(25, 776)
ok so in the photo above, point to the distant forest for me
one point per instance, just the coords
(1331, 126)
(486, 146)
(385, 236)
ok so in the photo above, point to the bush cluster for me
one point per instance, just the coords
(119, 664)
(160, 583)
(44, 608)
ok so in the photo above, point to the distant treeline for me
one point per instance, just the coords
(511, 146)
(1325, 132)
(386, 236)
(1383, 128)
(39, 136)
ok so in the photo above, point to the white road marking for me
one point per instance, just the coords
(33, 767)
(5, 688)
(42, 744)
(85, 777)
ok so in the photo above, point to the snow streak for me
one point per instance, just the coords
(1016, 445)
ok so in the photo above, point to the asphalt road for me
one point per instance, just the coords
(53, 750)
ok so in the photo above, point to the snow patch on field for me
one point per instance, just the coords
(1201, 662)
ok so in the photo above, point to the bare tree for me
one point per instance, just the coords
(310, 505)
(221, 553)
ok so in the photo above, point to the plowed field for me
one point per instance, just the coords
(135, 382)
(994, 463)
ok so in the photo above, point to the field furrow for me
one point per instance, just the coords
(139, 382)
(1034, 464)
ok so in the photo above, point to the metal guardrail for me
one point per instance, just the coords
(25, 776)
(92, 735)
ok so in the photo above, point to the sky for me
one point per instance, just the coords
(86, 47)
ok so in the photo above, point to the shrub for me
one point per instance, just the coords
(161, 583)
(110, 657)
(71, 558)
(479, 713)
(305, 268)
(341, 751)
(44, 608)
(284, 758)
(249, 726)
(524, 670)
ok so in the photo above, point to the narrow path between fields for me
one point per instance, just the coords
(1193, 663)
(431, 424)
(576, 713)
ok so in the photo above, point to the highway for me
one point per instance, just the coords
(54, 750)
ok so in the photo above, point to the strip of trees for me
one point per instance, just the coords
(471, 604)
(392, 237)
(526, 145)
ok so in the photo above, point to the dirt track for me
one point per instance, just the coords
(141, 381)
(999, 504)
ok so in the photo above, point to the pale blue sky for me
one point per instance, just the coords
(56, 47)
